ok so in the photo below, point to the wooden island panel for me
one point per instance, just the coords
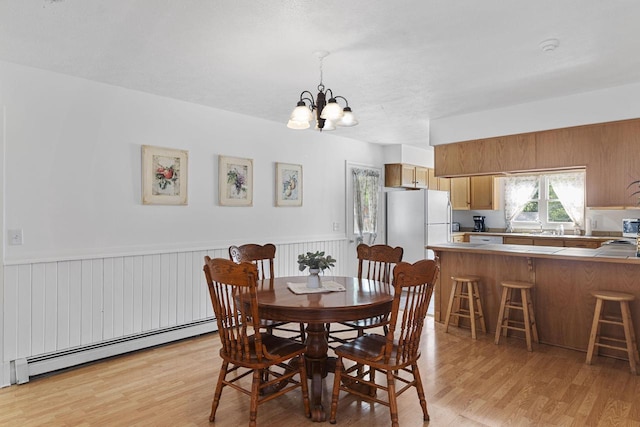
(562, 294)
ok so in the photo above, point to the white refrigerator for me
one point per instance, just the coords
(417, 218)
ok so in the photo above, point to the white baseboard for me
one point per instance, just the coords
(5, 374)
(55, 361)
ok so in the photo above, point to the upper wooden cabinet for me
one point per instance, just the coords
(435, 183)
(460, 194)
(605, 150)
(474, 193)
(484, 193)
(407, 176)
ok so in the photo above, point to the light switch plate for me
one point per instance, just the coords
(15, 237)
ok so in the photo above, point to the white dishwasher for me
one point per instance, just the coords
(474, 238)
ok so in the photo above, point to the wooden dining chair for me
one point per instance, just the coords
(374, 263)
(245, 350)
(394, 355)
(263, 257)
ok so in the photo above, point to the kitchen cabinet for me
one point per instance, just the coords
(406, 176)
(475, 193)
(552, 241)
(509, 240)
(602, 149)
(458, 238)
(484, 195)
(576, 243)
(436, 183)
(460, 194)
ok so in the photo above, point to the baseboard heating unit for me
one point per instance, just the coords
(23, 369)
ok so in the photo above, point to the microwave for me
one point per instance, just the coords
(630, 227)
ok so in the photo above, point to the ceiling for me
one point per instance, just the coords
(399, 63)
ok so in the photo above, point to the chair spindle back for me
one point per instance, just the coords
(413, 287)
(376, 262)
(232, 288)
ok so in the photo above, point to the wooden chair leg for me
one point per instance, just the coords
(255, 387)
(336, 390)
(534, 328)
(507, 311)
(450, 307)
(503, 302)
(634, 342)
(483, 324)
(216, 396)
(393, 404)
(628, 328)
(472, 311)
(527, 318)
(305, 388)
(595, 329)
(420, 391)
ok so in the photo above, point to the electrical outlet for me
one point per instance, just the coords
(15, 237)
(336, 226)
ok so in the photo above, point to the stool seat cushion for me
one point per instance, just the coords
(613, 296)
(515, 284)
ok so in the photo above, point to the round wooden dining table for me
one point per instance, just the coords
(361, 299)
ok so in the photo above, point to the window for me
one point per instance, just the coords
(546, 201)
(366, 187)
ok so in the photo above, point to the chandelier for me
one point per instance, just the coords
(328, 114)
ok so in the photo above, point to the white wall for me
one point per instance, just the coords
(73, 170)
(617, 103)
(71, 180)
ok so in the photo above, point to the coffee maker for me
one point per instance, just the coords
(479, 223)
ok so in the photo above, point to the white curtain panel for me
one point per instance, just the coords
(518, 191)
(570, 190)
(366, 184)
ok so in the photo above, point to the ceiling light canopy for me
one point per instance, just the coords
(328, 114)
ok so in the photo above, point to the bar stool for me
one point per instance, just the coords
(465, 288)
(510, 289)
(631, 347)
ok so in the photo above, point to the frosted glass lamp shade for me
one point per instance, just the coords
(331, 111)
(328, 126)
(301, 113)
(293, 124)
(348, 119)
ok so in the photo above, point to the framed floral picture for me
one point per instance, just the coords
(288, 184)
(164, 176)
(235, 181)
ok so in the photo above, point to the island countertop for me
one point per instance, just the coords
(563, 280)
(625, 254)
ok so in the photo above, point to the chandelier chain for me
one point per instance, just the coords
(321, 85)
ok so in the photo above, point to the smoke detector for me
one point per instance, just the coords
(549, 45)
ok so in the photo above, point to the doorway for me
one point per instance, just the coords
(364, 209)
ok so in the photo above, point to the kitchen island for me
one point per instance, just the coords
(563, 278)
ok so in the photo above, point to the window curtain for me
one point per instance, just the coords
(366, 184)
(517, 193)
(570, 190)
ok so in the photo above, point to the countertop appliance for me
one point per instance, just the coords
(416, 218)
(630, 227)
(479, 223)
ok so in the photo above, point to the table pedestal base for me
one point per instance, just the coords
(317, 367)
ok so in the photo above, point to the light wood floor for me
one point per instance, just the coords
(467, 383)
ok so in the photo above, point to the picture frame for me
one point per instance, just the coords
(164, 176)
(288, 184)
(235, 181)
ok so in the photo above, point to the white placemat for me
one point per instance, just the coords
(328, 286)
